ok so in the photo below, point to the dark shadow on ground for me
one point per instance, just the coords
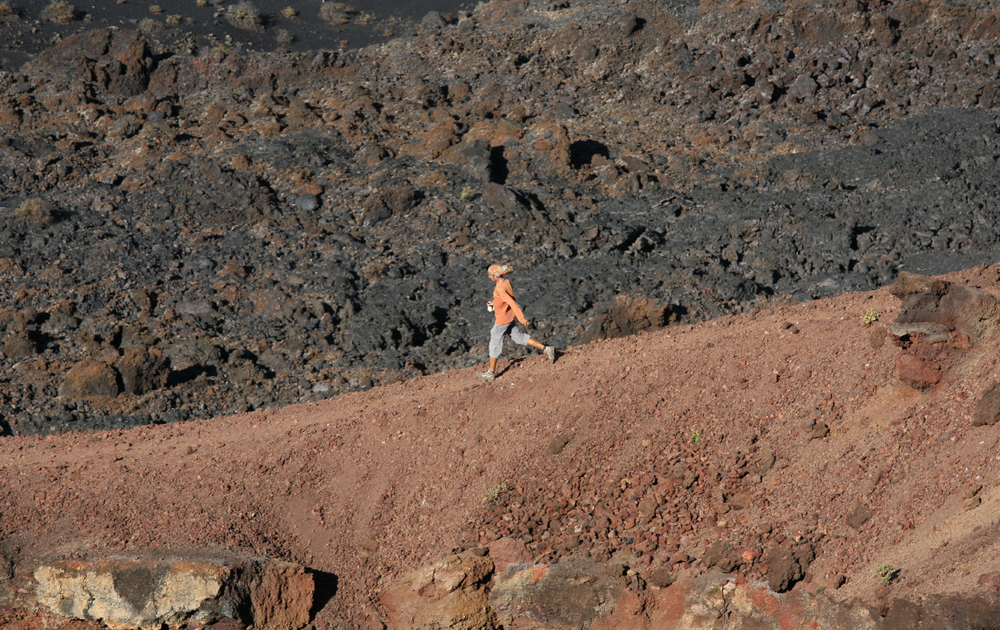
(510, 364)
(326, 589)
(582, 152)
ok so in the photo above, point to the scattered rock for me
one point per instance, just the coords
(721, 556)
(987, 410)
(134, 146)
(661, 578)
(918, 372)
(143, 370)
(859, 516)
(90, 378)
(558, 443)
(19, 346)
(820, 430)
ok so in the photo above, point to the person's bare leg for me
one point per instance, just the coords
(493, 365)
(534, 344)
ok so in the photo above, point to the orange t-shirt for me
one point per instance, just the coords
(505, 309)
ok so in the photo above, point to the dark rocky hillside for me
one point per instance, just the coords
(186, 233)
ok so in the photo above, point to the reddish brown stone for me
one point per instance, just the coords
(916, 372)
(90, 378)
(143, 370)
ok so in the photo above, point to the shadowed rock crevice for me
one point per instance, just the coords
(582, 152)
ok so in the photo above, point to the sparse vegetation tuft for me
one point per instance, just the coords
(155, 9)
(284, 38)
(245, 15)
(495, 493)
(34, 211)
(289, 12)
(869, 316)
(173, 20)
(60, 12)
(7, 11)
(695, 437)
(337, 13)
(887, 573)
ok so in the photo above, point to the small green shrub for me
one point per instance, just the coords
(869, 316)
(695, 437)
(173, 20)
(495, 493)
(887, 573)
(155, 9)
(289, 12)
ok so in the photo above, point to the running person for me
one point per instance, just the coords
(505, 310)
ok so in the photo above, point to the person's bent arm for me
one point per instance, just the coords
(509, 299)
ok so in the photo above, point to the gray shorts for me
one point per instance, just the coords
(499, 331)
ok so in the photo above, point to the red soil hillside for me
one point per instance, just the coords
(655, 448)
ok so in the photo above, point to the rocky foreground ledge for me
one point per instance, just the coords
(151, 590)
(471, 592)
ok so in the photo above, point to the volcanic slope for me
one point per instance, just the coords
(649, 449)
